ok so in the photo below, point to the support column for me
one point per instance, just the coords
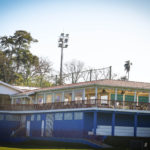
(12, 100)
(83, 94)
(135, 124)
(149, 98)
(134, 96)
(73, 95)
(62, 97)
(95, 122)
(44, 100)
(116, 97)
(95, 92)
(53, 97)
(113, 123)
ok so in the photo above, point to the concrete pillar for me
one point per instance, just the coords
(135, 124)
(62, 97)
(44, 99)
(113, 123)
(73, 96)
(83, 94)
(95, 122)
(135, 96)
(95, 92)
(12, 100)
(53, 97)
(116, 97)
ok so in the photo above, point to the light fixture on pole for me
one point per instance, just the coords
(62, 43)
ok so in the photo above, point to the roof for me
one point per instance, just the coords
(105, 83)
(10, 86)
(26, 88)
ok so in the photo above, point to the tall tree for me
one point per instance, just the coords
(127, 67)
(16, 51)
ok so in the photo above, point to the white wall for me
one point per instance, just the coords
(124, 131)
(143, 132)
(6, 90)
(103, 130)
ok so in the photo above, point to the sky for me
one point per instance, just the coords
(102, 33)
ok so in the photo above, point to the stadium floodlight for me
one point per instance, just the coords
(62, 43)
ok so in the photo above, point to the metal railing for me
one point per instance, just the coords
(99, 103)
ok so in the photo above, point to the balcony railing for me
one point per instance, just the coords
(99, 103)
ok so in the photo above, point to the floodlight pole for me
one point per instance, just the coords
(61, 67)
(62, 43)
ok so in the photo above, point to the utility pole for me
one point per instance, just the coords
(62, 43)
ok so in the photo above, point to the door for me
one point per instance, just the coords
(42, 128)
(49, 125)
(28, 129)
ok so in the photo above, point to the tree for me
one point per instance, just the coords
(74, 68)
(127, 67)
(43, 70)
(17, 59)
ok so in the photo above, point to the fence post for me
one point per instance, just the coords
(72, 78)
(56, 79)
(110, 72)
(90, 75)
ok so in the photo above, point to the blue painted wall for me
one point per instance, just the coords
(88, 122)
(143, 121)
(104, 118)
(124, 120)
(68, 128)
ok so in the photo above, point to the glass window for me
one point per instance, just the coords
(89, 93)
(38, 117)
(58, 97)
(78, 116)
(67, 96)
(58, 116)
(40, 99)
(49, 98)
(67, 116)
(78, 94)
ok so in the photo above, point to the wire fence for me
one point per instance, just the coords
(88, 75)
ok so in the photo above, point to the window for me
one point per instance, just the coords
(67, 96)
(1, 117)
(58, 116)
(58, 97)
(67, 116)
(49, 98)
(40, 99)
(38, 117)
(32, 117)
(78, 116)
(78, 94)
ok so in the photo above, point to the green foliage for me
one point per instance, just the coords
(17, 64)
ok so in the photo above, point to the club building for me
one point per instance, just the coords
(80, 110)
